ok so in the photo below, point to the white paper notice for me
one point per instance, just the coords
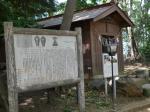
(107, 67)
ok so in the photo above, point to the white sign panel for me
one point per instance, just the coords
(107, 67)
(42, 59)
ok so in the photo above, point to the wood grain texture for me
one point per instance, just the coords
(97, 30)
(13, 89)
(120, 54)
(10, 64)
(33, 31)
(81, 95)
(110, 11)
(93, 52)
(49, 85)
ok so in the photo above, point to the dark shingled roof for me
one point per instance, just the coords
(86, 14)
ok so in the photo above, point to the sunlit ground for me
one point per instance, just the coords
(145, 110)
(148, 109)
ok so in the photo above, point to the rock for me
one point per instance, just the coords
(142, 73)
(146, 90)
(128, 88)
(98, 84)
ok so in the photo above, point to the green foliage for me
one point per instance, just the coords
(23, 13)
(102, 104)
(81, 4)
(145, 51)
(60, 8)
(67, 109)
(30, 8)
(138, 11)
(5, 13)
(142, 25)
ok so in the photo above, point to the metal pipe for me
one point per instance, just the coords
(113, 85)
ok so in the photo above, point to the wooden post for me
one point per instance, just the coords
(10, 64)
(106, 88)
(81, 95)
(93, 52)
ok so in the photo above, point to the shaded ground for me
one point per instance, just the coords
(131, 69)
(95, 102)
(145, 110)
(67, 102)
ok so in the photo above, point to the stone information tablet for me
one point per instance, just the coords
(41, 59)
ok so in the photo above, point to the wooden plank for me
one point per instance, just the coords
(33, 31)
(86, 41)
(93, 49)
(120, 54)
(81, 95)
(96, 30)
(13, 89)
(125, 17)
(105, 13)
(111, 10)
(10, 63)
(49, 85)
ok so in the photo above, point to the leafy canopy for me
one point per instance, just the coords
(24, 12)
(81, 4)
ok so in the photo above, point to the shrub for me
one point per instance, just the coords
(145, 51)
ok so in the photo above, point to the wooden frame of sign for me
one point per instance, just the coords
(22, 55)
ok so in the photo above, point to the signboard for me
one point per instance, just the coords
(42, 59)
(107, 67)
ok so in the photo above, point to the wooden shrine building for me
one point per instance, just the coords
(102, 20)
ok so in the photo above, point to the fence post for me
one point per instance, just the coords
(81, 95)
(10, 64)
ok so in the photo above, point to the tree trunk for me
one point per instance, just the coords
(134, 49)
(130, 47)
(68, 15)
(134, 46)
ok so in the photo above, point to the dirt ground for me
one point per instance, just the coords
(131, 69)
(67, 101)
(95, 102)
(145, 110)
